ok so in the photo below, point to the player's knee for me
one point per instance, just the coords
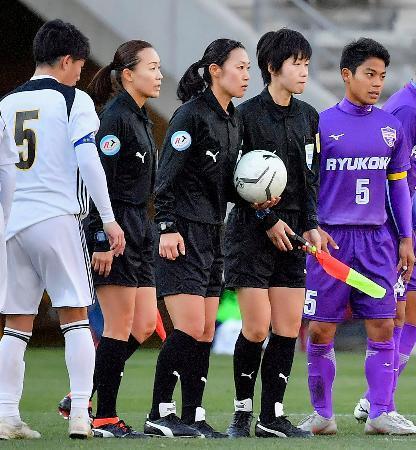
(320, 333)
(147, 331)
(196, 330)
(380, 330)
(255, 333)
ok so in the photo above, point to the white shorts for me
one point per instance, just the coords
(50, 255)
(3, 259)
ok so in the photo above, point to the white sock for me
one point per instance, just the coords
(80, 362)
(12, 371)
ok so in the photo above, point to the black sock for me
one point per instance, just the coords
(275, 371)
(109, 366)
(132, 345)
(247, 357)
(193, 382)
(177, 353)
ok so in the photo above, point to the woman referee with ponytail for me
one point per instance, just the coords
(125, 285)
(193, 184)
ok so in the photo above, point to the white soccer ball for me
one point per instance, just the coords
(259, 176)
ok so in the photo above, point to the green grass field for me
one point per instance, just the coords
(46, 383)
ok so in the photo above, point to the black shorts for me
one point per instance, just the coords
(136, 267)
(251, 259)
(200, 270)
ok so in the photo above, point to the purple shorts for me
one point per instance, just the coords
(401, 289)
(368, 250)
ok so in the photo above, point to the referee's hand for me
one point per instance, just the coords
(171, 245)
(278, 234)
(102, 261)
(116, 237)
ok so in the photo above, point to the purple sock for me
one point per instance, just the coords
(379, 363)
(321, 375)
(396, 362)
(407, 342)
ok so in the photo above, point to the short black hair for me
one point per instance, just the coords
(55, 39)
(356, 52)
(275, 47)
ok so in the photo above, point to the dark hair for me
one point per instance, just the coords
(192, 83)
(356, 52)
(275, 47)
(125, 57)
(55, 39)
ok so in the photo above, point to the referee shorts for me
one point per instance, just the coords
(252, 260)
(135, 267)
(200, 270)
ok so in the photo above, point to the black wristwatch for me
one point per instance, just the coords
(101, 243)
(166, 227)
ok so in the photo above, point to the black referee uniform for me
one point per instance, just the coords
(251, 259)
(194, 183)
(129, 156)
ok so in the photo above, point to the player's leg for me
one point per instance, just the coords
(249, 264)
(64, 267)
(255, 313)
(117, 304)
(194, 382)
(144, 320)
(176, 358)
(20, 304)
(286, 315)
(373, 250)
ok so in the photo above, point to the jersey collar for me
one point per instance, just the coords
(350, 108)
(282, 111)
(133, 106)
(213, 103)
(41, 77)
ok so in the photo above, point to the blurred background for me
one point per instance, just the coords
(180, 30)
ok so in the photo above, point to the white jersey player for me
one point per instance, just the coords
(53, 125)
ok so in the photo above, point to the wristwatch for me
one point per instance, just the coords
(101, 243)
(166, 227)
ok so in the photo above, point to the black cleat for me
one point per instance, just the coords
(207, 431)
(170, 426)
(117, 430)
(280, 427)
(240, 425)
(64, 407)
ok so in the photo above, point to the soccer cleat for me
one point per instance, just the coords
(117, 430)
(80, 427)
(362, 409)
(317, 424)
(387, 424)
(242, 418)
(204, 428)
(280, 427)
(16, 429)
(64, 407)
(169, 424)
(403, 420)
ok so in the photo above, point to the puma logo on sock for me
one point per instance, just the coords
(249, 375)
(213, 156)
(285, 378)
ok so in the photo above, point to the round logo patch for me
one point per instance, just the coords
(181, 140)
(110, 145)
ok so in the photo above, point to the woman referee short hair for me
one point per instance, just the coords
(260, 263)
(125, 285)
(194, 181)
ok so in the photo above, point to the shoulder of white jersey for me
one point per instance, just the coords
(83, 101)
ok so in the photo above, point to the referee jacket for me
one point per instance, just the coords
(127, 152)
(290, 132)
(194, 179)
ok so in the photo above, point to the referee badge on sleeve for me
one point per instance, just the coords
(181, 140)
(110, 145)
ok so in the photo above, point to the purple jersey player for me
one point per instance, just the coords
(361, 147)
(402, 104)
